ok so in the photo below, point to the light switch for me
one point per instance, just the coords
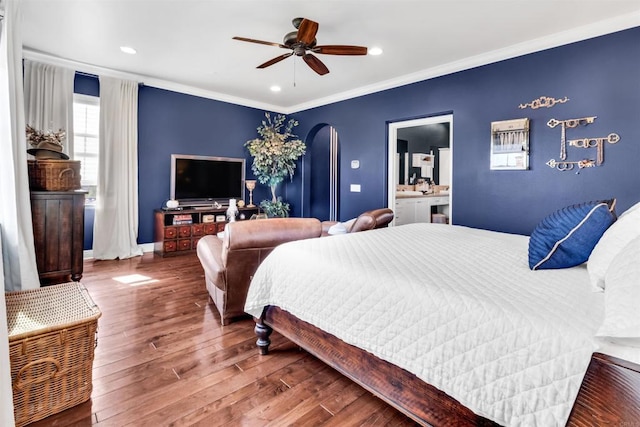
(355, 188)
(355, 164)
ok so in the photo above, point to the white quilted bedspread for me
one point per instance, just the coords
(456, 306)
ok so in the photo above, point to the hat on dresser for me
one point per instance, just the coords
(48, 151)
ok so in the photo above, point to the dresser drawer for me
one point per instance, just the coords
(184, 231)
(184, 244)
(170, 232)
(170, 246)
(197, 229)
(210, 228)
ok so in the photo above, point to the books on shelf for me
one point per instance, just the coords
(182, 219)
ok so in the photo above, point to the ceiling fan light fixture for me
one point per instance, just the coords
(303, 43)
(128, 49)
(375, 51)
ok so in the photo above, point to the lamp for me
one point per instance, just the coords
(251, 185)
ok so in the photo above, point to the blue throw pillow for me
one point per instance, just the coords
(566, 237)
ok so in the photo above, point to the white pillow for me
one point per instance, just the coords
(349, 224)
(622, 297)
(337, 228)
(621, 232)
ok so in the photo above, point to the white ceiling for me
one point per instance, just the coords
(187, 46)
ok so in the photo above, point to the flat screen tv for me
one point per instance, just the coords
(203, 180)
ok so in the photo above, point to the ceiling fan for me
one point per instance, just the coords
(303, 43)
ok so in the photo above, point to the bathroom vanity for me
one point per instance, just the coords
(413, 206)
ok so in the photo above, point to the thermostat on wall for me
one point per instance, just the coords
(355, 164)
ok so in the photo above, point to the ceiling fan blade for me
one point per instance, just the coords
(315, 64)
(275, 60)
(307, 31)
(244, 39)
(335, 49)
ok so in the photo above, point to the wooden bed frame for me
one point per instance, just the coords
(609, 395)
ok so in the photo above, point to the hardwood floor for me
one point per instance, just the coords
(163, 359)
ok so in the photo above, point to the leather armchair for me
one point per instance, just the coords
(229, 263)
(369, 220)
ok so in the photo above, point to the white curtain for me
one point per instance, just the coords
(115, 228)
(48, 99)
(6, 402)
(18, 253)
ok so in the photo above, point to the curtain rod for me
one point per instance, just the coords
(82, 73)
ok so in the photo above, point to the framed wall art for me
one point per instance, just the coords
(510, 144)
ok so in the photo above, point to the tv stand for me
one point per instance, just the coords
(177, 232)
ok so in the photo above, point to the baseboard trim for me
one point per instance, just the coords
(146, 247)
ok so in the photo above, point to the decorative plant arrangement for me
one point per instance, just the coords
(46, 145)
(274, 157)
(36, 137)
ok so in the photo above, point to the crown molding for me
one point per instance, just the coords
(146, 80)
(597, 29)
(573, 35)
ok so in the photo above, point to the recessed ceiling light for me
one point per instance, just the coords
(375, 51)
(128, 49)
(275, 88)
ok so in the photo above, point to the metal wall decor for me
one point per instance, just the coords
(569, 123)
(543, 101)
(612, 138)
(598, 143)
(510, 144)
(567, 166)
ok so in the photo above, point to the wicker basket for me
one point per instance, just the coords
(52, 336)
(54, 175)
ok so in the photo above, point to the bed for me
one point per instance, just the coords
(446, 323)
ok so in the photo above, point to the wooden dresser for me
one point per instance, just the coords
(58, 234)
(177, 232)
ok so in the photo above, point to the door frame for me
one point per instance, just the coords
(392, 173)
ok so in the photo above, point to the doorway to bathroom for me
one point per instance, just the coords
(420, 159)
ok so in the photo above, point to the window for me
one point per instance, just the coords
(86, 129)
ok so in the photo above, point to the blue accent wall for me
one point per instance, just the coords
(86, 85)
(171, 122)
(175, 123)
(600, 76)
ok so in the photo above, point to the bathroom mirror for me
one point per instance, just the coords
(419, 149)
